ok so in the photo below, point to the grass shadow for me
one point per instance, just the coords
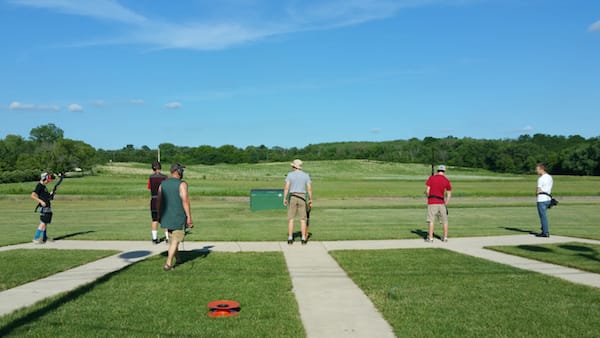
(519, 230)
(184, 257)
(74, 234)
(576, 248)
(423, 234)
(534, 248)
(56, 303)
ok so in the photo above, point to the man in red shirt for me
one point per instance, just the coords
(438, 193)
(154, 182)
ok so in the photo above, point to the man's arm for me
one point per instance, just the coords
(35, 196)
(309, 189)
(448, 196)
(286, 191)
(427, 191)
(185, 200)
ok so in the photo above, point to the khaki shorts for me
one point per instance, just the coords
(437, 210)
(176, 235)
(296, 207)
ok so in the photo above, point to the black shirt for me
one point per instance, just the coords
(43, 193)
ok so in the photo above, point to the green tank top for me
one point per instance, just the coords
(172, 214)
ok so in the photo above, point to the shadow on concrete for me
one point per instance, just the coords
(298, 235)
(534, 248)
(75, 234)
(135, 254)
(519, 230)
(423, 234)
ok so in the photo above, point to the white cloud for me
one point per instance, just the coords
(74, 107)
(527, 129)
(99, 9)
(228, 28)
(99, 103)
(595, 26)
(15, 105)
(173, 105)
(136, 101)
(375, 130)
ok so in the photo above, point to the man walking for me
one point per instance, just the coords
(543, 193)
(175, 213)
(41, 195)
(297, 185)
(154, 182)
(439, 192)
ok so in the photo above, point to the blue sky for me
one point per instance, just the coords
(295, 72)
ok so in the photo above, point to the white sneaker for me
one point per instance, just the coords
(445, 239)
(37, 241)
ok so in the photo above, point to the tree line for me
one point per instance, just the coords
(47, 149)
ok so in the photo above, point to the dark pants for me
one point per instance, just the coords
(542, 208)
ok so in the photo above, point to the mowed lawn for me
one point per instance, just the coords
(353, 200)
(21, 266)
(582, 256)
(230, 220)
(439, 293)
(144, 301)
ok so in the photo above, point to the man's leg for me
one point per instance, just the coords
(445, 231)
(303, 229)
(542, 207)
(173, 246)
(38, 232)
(430, 234)
(154, 231)
(291, 228)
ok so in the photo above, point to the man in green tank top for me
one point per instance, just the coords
(175, 213)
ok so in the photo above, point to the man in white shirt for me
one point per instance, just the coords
(543, 192)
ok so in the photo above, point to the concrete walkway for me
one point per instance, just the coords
(330, 304)
(320, 284)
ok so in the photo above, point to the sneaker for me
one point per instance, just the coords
(428, 240)
(155, 241)
(38, 241)
(543, 234)
(304, 242)
(290, 241)
(166, 241)
(445, 240)
(168, 267)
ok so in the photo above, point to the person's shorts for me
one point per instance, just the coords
(437, 210)
(46, 217)
(154, 210)
(297, 207)
(176, 235)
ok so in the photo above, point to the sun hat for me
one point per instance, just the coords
(296, 164)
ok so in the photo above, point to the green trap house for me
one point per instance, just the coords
(266, 199)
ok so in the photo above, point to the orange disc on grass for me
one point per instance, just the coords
(223, 308)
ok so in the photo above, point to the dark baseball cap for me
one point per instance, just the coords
(176, 166)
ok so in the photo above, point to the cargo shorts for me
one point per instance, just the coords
(437, 211)
(297, 206)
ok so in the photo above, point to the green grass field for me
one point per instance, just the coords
(144, 301)
(438, 293)
(576, 255)
(353, 200)
(22, 266)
